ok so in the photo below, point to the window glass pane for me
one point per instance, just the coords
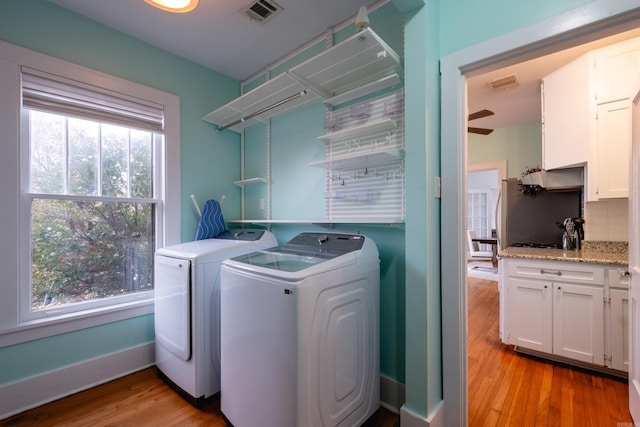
(83, 156)
(85, 251)
(47, 147)
(141, 163)
(115, 165)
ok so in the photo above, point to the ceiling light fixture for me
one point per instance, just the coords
(175, 6)
(362, 19)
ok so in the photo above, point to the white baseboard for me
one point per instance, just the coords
(408, 418)
(37, 390)
(391, 394)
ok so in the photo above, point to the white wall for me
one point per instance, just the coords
(607, 220)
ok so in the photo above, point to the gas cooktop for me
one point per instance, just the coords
(537, 245)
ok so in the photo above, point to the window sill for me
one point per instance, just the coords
(43, 328)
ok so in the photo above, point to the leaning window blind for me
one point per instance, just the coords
(48, 92)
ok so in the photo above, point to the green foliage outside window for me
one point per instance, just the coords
(85, 248)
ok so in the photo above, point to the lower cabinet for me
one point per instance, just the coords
(617, 326)
(531, 324)
(578, 322)
(564, 309)
(619, 330)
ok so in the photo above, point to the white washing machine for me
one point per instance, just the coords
(187, 309)
(300, 333)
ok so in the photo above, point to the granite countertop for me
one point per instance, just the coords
(616, 253)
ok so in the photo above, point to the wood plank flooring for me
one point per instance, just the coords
(139, 399)
(505, 389)
(510, 389)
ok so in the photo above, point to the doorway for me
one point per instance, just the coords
(483, 192)
(537, 40)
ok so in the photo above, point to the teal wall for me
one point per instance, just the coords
(391, 243)
(205, 155)
(465, 23)
(297, 190)
(422, 251)
(520, 146)
(210, 162)
(50, 353)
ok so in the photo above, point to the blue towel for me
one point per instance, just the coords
(211, 221)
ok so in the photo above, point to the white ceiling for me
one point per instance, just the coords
(217, 35)
(522, 104)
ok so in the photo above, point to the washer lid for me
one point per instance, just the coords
(284, 260)
(304, 251)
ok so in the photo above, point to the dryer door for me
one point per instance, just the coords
(173, 305)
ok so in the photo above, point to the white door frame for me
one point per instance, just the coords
(590, 22)
(634, 265)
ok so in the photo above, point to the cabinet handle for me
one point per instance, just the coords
(557, 273)
(624, 273)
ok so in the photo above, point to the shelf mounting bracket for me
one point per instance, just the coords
(313, 87)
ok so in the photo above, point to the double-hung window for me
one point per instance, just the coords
(91, 189)
(90, 184)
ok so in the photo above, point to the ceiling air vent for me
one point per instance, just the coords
(504, 83)
(261, 10)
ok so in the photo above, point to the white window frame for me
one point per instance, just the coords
(479, 214)
(15, 242)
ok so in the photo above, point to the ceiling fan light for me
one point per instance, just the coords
(175, 6)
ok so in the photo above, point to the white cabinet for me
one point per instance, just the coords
(613, 149)
(586, 115)
(616, 69)
(531, 314)
(578, 322)
(556, 308)
(572, 310)
(617, 328)
(566, 113)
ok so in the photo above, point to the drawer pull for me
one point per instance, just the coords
(624, 273)
(557, 273)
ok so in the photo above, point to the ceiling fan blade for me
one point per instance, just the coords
(481, 131)
(480, 114)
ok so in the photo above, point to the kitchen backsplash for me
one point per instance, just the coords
(607, 220)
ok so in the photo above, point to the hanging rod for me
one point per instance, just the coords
(265, 109)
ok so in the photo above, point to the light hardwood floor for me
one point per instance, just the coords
(510, 389)
(140, 399)
(505, 389)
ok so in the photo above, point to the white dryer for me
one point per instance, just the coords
(187, 309)
(300, 333)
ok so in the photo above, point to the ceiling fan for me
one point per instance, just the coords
(478, 115)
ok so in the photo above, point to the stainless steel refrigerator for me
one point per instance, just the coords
(532, 220)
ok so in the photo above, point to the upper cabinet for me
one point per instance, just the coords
(616, 70)
(566, 114)
(347, 67)
(613, 149)
(587, 117)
